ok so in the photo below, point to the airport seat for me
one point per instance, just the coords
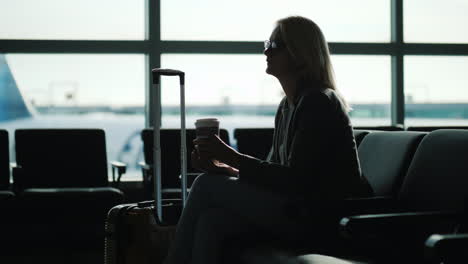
(432, 199)
(170, 160)
(4, 161)
(62, 185)
(60, 158)
(7, 197)
(385, 157)
(5, 193)
(255, 142)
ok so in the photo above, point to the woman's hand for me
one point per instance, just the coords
(211, 166)
(213, 148)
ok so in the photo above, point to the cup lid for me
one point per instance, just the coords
(207, 122)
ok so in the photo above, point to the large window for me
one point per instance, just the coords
(244, 20)
(78, 91)
(234, 88)
(436, 90)
(435, 21)
(81, 80)
(72, 19)
(86, 63)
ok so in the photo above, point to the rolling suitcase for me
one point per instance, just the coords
(141, 233)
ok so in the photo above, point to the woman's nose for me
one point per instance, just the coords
(267, 52)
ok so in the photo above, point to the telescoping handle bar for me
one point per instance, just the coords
(156, 74)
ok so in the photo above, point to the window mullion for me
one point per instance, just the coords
(398, 98)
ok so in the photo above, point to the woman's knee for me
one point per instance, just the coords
(207, 181)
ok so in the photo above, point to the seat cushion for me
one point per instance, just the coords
(51, 216)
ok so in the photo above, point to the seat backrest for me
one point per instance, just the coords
(381, 128)
(437, 178)
(4, 160)
(255, 142)
(385, 157)
(170, 152)
(57, 158)
(359, 135)
(432, 128)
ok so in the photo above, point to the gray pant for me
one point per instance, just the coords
(220, 207)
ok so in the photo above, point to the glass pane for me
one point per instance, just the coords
(435, 21)
(236, 89)
(233, 88)
(436, 90)
(365, 82)
(73, 19)
(77, 91)
(245, 20)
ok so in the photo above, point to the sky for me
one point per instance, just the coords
(119, 80)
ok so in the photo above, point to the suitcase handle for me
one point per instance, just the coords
(158, 72)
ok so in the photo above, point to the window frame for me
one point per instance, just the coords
(152, 47)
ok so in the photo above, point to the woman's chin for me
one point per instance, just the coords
(268, 71)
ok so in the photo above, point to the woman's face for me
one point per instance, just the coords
(279, 61)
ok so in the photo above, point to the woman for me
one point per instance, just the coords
(313, 160)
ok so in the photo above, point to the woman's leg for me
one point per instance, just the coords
(215, 227)
(260, 208)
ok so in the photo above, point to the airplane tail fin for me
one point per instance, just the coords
(12, 103)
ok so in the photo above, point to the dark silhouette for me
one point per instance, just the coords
(312, 163)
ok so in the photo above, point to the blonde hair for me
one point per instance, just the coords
(309, 49)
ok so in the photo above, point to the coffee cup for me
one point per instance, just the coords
(206, 127)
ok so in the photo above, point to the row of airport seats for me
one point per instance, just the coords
(81, 194)
(386, 155)
(257, 141)
(60, 194)
(419, 211)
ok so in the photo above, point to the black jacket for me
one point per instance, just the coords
(322, 162)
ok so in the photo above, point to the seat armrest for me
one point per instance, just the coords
(370, 205)
(144, 166)
(191, 176)
(447, 248)
(121, 169)
(336, 210)
(398, 224)
(18, 178)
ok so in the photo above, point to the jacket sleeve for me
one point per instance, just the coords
(309, 150)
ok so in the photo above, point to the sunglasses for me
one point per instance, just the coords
(271, 44)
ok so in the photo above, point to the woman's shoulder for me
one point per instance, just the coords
(320, 97)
